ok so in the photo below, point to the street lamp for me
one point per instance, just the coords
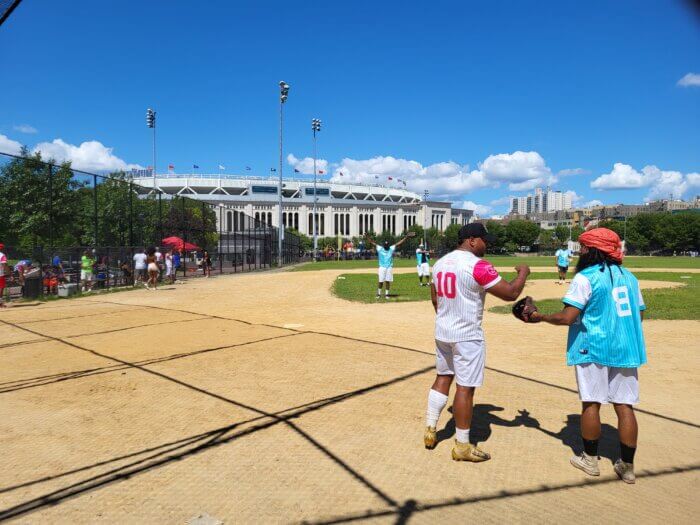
(315, 126)
(151, 123)
(284, 93)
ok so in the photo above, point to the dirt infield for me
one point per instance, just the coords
(163, 406)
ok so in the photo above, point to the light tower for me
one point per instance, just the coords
(315, 126)
(151, 123)
(284, 93)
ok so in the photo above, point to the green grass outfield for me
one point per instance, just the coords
(669, 303)
(500, 260)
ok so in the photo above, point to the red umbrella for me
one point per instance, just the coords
(180, 244)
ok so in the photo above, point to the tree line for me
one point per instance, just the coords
(645, 234)
(49, 206)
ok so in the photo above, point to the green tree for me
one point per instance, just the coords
(451, 236)
(522, 233)
(499, 231)
(306, 242)
(549, 241)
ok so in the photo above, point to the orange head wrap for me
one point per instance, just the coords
(607, 241)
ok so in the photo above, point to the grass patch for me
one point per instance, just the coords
(531, 260)
(664, 303)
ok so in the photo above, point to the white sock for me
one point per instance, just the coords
(463, 435)
(436, 402)
(386, 292)
(379, 291)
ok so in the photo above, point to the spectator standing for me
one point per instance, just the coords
(176, 264)
(140, 266)
(153, 271)
(86, 267)
(3, 283)
(169, 266)
(206, 264)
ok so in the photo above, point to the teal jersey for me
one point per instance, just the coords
(609, 329)
(386, 257)
(562, 257)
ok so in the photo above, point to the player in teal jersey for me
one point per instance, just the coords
(563, 257)
(603, 309)
(385, 257)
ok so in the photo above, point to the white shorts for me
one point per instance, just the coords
(464, 360)
(386, 275)
(85, 276)
(603, 384)
(168, 270)
(423, 270)
(153, 267)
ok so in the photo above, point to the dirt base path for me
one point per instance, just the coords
(263, 398)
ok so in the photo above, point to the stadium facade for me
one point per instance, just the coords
(348, 210)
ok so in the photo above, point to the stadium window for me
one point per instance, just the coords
(371, 222)
(284, 219)
(347, 224)
(229, 221)
(296, 221)
(269, 218)
(393, 224)
(257, 217)
(322, 224)
(335, 222)
(383, 222)
(360, 224)
(310, 227)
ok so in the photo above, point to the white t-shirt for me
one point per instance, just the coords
(3, 262)
(461, 280)
(168, 260)
(140, 261)
(159, 256)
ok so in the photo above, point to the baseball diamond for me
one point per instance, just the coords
(164, 407)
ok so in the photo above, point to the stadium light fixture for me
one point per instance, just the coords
(284, 94)
(315, 127)
(151, 123)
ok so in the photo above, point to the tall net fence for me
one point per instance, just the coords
(55, 216)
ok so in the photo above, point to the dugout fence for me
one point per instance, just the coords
(53, 211)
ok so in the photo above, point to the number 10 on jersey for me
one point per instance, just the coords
(446, 284)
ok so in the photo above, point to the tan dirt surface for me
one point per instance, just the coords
(158, 407)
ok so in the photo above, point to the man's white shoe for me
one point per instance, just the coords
(625, 471)
(589, 464)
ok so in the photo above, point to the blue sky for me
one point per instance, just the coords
(475, 101)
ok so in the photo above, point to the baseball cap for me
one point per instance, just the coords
(475, 229)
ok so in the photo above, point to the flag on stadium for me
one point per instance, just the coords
(340, 173)
(321, 172)
(171, 166)
(390, 178)
(195, 167)
(273, 169)
(296, 170)
(222, 168)
(247, 168)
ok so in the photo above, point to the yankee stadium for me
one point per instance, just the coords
(342, 209)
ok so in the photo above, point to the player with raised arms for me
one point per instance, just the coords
(603, 309)
(461, 280)
(385, 257)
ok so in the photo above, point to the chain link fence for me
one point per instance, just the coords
(56, 215)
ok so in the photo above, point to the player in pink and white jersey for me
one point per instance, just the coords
(461, 280)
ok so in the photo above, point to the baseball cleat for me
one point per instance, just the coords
(430, 438)
(589, 464)
(625, 471)
(469, 452)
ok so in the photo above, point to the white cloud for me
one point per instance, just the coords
(690, 79)
(89, 156)
(661, 183)
(573, 171)
(623, 176)
(479, 209)
(590, 204)
(25, 128)
(306, 165)
(521, 170)
(7, 145)
(575, 197)
(502, 201)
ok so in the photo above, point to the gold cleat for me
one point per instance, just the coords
(469, 452)
(430, 437)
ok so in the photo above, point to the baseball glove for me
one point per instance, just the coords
(523, 308)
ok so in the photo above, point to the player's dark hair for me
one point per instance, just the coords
(595, 257)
